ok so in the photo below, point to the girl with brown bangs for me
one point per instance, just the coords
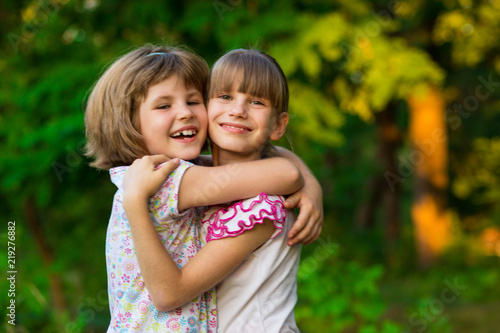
(245, 253)
(151, 102)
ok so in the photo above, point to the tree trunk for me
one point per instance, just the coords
(428, 161)
(34, 225)
(381, 195)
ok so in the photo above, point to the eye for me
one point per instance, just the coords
(225, 97)
(257, 102)
(194, 102)
(163, 107)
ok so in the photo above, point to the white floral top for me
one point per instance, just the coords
(131, 307)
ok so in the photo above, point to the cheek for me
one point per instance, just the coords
(154, 125)
(202, 117)
(210, 114)
(147, 124)
(265, 120)
(142, 123)
(215, 108)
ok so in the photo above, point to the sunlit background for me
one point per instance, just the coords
(394, 106)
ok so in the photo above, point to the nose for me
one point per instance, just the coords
(238, 110)
(185, 112)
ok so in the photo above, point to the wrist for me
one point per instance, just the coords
(134, 204)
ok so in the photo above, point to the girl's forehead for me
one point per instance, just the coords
(236, 82)
(233, 79)
(229, 76)
(247, 78)
(170, 86)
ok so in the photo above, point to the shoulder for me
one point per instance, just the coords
(180, 170)
(116, 174)
(164, 203)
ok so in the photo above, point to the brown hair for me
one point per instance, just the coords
(262, 76)
(111, 115)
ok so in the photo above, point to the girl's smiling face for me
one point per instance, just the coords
(173, 119)
(241, 124)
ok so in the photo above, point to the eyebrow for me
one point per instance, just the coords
(170, 97)
(161, 99)
(194, 92)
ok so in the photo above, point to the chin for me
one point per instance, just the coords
(238, 149)
(189, 155)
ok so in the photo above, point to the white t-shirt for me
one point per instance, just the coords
(260, 295)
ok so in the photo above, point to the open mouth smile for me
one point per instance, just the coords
(186, 135)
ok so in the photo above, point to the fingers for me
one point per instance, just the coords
(304, 235)
(155, 159)
(318, 227)
(169, 166)
(160, 174)
(296, 230)
(306, 229)
(292, 201)
(149, 163)
(314, 234)
(308, 235)
(301, 230)
(143, 178)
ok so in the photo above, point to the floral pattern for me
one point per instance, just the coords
(131, 307)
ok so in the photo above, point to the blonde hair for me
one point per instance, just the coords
(262, 76)
(111, 115)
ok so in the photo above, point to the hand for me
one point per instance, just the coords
(308, 225)
(143, 178)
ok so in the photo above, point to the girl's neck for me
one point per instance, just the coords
(223, 157)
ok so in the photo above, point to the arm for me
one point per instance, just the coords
(169, 286)
(203, 186)
(309, 199)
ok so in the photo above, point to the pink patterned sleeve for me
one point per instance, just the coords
(233, 220)
(164, 203)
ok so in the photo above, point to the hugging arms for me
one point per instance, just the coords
(171, 287)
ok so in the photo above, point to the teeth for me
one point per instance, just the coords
(185, 132)
(234, 127)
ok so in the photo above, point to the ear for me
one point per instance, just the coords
(280, 126)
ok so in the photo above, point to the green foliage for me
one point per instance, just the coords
(336, 294)
(314, 116)
(471, 30)
(479, 175)
(345, 61)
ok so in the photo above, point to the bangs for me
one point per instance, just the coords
(191, 70)
(260, 77)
